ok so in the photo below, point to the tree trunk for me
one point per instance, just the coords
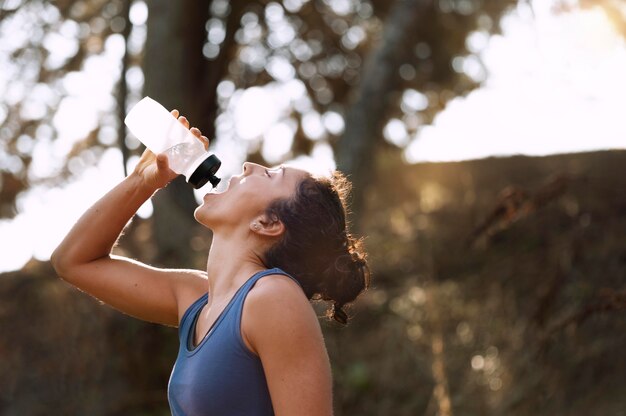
(179, 76)
(355, 153)
(174, 67)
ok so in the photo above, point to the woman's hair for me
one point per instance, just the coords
(316, 247)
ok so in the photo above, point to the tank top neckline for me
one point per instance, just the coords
(204, 299)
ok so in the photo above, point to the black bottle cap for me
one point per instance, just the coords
(206, 173)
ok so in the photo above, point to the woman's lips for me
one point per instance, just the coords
(231, 182)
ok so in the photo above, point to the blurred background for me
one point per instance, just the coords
(485, 141)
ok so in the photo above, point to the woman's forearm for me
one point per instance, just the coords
(96, 232)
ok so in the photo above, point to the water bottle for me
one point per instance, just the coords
(161, 132)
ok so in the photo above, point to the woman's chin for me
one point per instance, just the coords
(200, 216)
(208, 196)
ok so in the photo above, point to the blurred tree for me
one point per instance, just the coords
(359, 66)
(380, 75)
(173, 69)
(176, 37)
(526, 315)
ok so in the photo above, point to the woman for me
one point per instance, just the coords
(251, 343)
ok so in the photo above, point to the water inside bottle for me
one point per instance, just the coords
(183, 157)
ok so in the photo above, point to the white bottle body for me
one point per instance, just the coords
(161, 132)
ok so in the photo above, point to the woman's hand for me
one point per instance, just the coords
(154, 169)
(84, 257)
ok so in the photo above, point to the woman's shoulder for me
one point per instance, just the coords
(277, 287)
(277, 301)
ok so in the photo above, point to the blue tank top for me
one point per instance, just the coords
(220, 376)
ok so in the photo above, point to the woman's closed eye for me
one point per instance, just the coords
(270, 172)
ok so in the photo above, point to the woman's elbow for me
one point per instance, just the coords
(59, 263)
(62, 263)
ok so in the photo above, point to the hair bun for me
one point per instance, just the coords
(316, 247)
(338, 314)
(346, 280)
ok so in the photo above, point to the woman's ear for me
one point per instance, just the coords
(267, 226)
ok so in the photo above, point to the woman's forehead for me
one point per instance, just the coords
(291, 171)
(296, 171)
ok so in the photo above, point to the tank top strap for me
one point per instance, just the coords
(233, 320)
(243, 292)
(230, 316)
(252, 281)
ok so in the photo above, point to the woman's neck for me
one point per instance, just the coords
(232, 261)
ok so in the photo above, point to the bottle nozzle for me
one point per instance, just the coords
(214, 180)
(206, 173)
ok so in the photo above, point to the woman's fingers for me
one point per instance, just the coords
(195, 131)
(184, 120)
(205, 140)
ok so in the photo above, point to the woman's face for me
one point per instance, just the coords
(248, 195)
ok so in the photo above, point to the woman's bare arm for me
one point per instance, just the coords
(282, 328)
(84, 257)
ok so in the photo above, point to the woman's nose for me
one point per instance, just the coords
(250, 168)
